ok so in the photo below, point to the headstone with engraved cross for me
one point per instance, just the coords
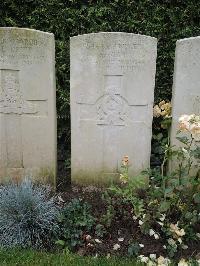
(112, 92)
(186, 84)
(27, 105)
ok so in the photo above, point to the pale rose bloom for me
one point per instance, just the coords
(195, 131)
(184, 123)
(183, 262)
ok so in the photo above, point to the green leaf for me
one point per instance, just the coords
(196, 198)
(60, 242)
(183, 140)
(164, 206)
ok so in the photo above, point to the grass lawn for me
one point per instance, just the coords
(31, 258)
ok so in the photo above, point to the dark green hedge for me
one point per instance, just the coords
(167, 20)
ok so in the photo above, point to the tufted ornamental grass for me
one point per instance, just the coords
(28, 216)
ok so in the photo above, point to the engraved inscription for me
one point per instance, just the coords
(22, 50)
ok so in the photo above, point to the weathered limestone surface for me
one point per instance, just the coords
(112, 93)
(186, 83)
(27, 105)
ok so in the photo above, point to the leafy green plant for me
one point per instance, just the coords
(75, 220)
(28, 215)
(134, 249)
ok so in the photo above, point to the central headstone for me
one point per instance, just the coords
(27, 105)
(112, 93)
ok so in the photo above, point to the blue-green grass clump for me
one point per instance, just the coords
(28, 215)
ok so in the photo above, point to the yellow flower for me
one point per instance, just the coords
(156, 111)
(167, 107)
(183, 262)
(161, 103)
(177, 232)
(125, 160)
(123, 179)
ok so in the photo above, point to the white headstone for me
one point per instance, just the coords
(186, 83)
(112, 93)
(27, 105)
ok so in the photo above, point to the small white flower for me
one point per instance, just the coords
(151, 232)
(144, 215)
(144, 259)
(171, 242)
(198, 261)
(180, 240)
(198, 235)
(141, 222)
(164, 247)
(163, 261)
(156, 236)
(90, 245)
(162, 218)
(152, 256)
(161, 224)
(141, 245)
(134, 217)
(88, 237)
(98, 241)
(121, 239)
(116, 247)
(184, 247)
(108, 256)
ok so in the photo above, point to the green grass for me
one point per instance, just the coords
(33, 258)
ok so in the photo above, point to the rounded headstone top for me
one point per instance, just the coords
(24, 30)
(115, 34)
(191, 39)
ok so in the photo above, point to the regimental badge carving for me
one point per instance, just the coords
(11, 98)
(111, 110)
